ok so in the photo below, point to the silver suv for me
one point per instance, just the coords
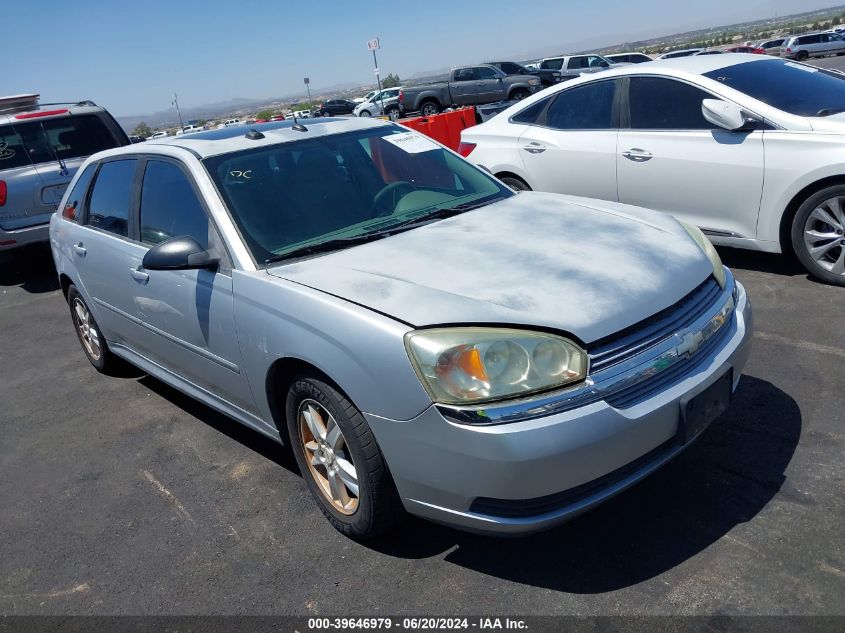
(803, 47)
(41, 147)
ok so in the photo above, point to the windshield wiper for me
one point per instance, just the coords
(406, 225)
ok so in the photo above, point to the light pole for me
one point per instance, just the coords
(373, 45)
(307, 81)
(175, 102)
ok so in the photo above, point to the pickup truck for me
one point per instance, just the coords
(468, 85)
(547, 76)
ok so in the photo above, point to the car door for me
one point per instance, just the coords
(103, 252)
(462, 88)
(572, 147)
(489, 86)
(188, 315)
(672, 159)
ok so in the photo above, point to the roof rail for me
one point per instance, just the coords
(35, 106)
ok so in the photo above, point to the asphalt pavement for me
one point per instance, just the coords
(121, 496)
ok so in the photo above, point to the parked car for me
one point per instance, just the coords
(41, 147)
(389, 98)
(366, 97)
(755, 50)
(277, 117)
(803, 47)
(157, 135)
(399, 323)
(686, 52)
(134, 138)
(628, 58)
(232, 123)
(772, 47)
(301, 114)
(747, 147)
(189, 129)
(467, 85)
(546, 76)
(571, 66)
(333, 107)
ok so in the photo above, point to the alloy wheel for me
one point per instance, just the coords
(328, 458)
(824, 235)
(88, 334)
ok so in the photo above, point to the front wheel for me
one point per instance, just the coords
(519, 94)
(340, 460)
(517, 184)
(818, 234)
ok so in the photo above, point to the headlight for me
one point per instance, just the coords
(533, 82)
(709, 250)
(470, 365)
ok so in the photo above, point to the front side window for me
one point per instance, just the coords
(108, 209)
(586, 107)
(665, 104)
(291, 195)
(465, 74)
(169, 206)
(794, 88)
(482, 72)
(73, 206)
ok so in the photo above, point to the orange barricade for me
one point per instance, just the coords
(444, 128)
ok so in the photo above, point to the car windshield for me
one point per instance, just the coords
(789, 86)
(288, 196)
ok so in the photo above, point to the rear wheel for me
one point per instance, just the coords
(88, 332)
(802, 56)
(517, 184)
(393, 113)
(429, 108)
(818, 234)
(340, 460)
(364, 113)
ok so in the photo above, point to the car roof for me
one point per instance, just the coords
(696, 64)
(45, 111)
(233, 139)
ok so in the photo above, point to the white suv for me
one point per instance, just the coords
(749, 148)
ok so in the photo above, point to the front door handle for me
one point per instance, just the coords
(637, 155)
(79, 249)
(535, 148)
(139, 275)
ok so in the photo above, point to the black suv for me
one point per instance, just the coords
(335, 106)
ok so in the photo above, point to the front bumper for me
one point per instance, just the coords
(450, 472)
(14, 238)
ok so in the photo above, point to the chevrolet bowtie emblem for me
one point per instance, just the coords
(690, 342)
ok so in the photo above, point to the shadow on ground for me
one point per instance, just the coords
(726, 478)
(30, 267)
(775, 263)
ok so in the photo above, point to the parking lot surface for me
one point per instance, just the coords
(121, 496)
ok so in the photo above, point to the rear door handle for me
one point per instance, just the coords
(535, 148)
(637, 155)
(139, 275)
(79, 250)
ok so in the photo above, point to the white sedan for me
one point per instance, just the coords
(749, 148)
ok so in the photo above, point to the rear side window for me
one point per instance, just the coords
(108, 209)
(588, 107)
(482, 72)
(77, 194)
(51, 139)
(553, 64)
(577, 62)
(666, 104)
(169, 206)
(12, 150)
(531, 113)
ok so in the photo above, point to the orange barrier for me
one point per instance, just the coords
(444, 128)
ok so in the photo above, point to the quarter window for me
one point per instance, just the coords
(666, 104)
(77, 194)
(169, 206)
(587, 107)
(111, 197)
(531, 113)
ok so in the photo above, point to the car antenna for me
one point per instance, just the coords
(296, 124)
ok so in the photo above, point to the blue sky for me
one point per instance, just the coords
(131, 57)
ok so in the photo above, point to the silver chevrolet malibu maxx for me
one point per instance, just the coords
(420, 336)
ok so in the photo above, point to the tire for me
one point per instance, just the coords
(90, 337)
(429, 108)
(364, 113)
(393, 113)
(377, 508)
(820, 215)
(802, 56)
(519, 94)
(326, 113)
(517, 184)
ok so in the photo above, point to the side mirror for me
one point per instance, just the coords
(726, 115)
(179, 253)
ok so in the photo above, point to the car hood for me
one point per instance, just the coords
(576, 265)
